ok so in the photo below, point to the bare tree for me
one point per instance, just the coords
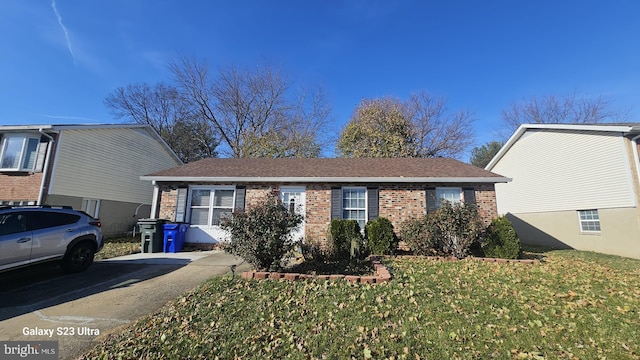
(418, 127)
(254, 110)
(437, 131)
(162, 107)
(568, 109)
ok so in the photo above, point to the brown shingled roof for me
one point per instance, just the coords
(326, 168)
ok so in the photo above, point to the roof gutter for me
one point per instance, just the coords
(235, 179)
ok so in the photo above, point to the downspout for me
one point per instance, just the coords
(635, 156)
(45, 171)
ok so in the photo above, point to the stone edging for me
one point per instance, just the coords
(382, 275)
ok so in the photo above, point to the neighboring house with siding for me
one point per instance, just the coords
(95, 168)
(205, 191)
(573, 186)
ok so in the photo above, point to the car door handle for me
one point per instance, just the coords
(24, 240)
(71, 230)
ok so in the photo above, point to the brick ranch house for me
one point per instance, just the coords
(203, 192)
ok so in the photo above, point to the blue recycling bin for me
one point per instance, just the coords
(174, 236)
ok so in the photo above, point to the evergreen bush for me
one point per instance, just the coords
(381, 240)
(344, 239)
(501, 240)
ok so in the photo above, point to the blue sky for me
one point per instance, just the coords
(60, 59)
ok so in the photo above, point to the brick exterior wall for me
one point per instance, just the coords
(20, 187)
(397, 202)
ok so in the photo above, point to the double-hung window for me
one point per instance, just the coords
(18, 152)
(354, 204)
(210, 205)
(589, 220)
(450, 194)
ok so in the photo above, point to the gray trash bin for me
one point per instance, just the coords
(152, 235)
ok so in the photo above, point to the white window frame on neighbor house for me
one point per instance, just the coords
(27, 157)
(589, 221)
(449, 194)
(350, 209)
(91, 207)
(211, 206)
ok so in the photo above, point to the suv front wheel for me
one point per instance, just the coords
(79, 258)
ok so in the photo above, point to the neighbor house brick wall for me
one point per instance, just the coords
(22, 186)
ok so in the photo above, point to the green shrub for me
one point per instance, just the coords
(455, 227)
(262, 236)
(381, 240)
(345, 240)
(415, 233)
(501, 240)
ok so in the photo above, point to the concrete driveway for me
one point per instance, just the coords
(43, 304)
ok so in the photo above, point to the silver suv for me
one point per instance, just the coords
(34, 234)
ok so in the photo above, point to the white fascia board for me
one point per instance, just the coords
(330, 179)
(25, 127)
(524, 127)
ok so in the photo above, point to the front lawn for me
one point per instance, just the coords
(573, 305)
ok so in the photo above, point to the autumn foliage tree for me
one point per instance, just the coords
(420, 126)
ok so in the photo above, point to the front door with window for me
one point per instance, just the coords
(294, 199)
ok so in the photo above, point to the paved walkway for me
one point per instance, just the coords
(80, 316)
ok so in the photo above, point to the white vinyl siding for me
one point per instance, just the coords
(107, 164)
(556, 170)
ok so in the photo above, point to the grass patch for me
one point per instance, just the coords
(115, 247)
(572, 305)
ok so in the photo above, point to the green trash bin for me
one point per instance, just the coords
(152, 235)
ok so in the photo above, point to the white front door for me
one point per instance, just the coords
(294, 199)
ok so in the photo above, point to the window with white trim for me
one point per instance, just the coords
(589, 220)
(354, 204)
(209, 206)
(450, 194)
(91, 207)
(19, 152)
